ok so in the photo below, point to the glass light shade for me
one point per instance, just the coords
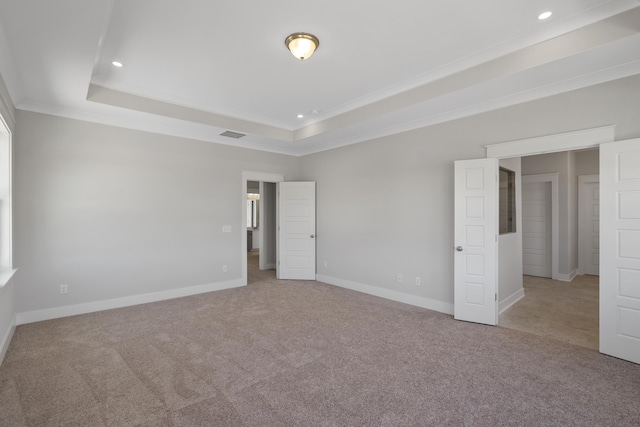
(302, 45)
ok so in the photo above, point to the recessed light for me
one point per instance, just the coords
(116, 64)
(300, 116)
(544, 15)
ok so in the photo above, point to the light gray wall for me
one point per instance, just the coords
(510, 245)
(588, 162)
(385, 206)
(114, 212)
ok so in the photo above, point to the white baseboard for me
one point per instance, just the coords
(417, 301)
(510, 300)
(567, 277)
(90, 307)
(6, 340)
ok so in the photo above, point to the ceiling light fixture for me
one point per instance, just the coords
(302, 45)
(300, 116)
(116, 64)
(544, 15)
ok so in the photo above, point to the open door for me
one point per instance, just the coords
(296, 231)
(476, 241)
(620, 249)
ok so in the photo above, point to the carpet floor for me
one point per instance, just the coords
(297, 353)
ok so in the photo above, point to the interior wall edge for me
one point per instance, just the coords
(568, 277)
(92, 307)
(510, 300)
(6, 340)
(417, 301)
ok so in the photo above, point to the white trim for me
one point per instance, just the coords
(553, 178)
(583, 180)
(587, 138)
(246, 177)
(6, 210)
(6, 341)
(5, 276)
(74, 310)
(568, 277)
(429, 304)
(510, 300)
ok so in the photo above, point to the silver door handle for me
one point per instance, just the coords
(312, 236)
(459, 249)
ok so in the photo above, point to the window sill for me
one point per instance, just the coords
(5, 276)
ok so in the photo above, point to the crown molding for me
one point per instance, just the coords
(158, 125)
(569, 24)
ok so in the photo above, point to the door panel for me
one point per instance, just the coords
(589, 225)
(536, 229)
(620, 249)
(297, 229)
(475, 240)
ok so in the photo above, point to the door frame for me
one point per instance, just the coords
(251, 176)
(555, 215)
(577, 140)
(583, 180)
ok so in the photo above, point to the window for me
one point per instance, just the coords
(507, 204)
(5, 203)
(252, 210)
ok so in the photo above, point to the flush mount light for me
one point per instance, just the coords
(302, 45)
(544, 15)
(116, 64)
(300, 116)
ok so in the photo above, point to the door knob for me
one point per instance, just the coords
(459, 249)
(312, 236)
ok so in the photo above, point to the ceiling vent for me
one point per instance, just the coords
(230, 134)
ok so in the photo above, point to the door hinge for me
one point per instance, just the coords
(496, 297)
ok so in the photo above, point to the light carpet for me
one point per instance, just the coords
(296, 353)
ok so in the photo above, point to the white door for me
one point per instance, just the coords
(536, 229)
(296, 230)
(476, 241)
(589, 225)
(620, 249)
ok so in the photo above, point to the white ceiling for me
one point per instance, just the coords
(196, 68)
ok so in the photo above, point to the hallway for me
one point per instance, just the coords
(254, 274)
(561, 310)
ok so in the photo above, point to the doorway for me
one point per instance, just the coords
(258, 241)
(261, 231)
(561, 305)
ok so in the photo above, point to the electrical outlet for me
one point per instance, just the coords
(64, 289)
(226, 229)
(224, 268)
(326, 264)
(417, 281)
(399, 278)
